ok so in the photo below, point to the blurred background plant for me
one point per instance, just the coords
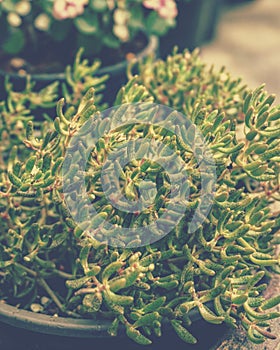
(35, 29)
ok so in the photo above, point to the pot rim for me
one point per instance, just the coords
(63, 326)
(152, 46)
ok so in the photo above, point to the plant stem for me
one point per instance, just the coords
(29, 271)
(55, 299)
(47, 288)
(63, 274)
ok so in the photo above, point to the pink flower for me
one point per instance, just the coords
(165, 8)
(63, 9)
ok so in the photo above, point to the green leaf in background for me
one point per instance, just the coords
(111, 41)
(15, 42)
(98, 5)
(136, 19)
(156, 24)
(87, 24)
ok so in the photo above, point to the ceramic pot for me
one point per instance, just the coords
(116, 72)
(63, 326)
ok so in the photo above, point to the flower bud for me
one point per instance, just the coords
(42, 22)
(23, 8)
(14, 19)
(121, 32)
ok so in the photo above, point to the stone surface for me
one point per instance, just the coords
(237, 340)
(248, 43)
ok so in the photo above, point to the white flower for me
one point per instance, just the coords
(120, 16)
(63, 9)
(111, 4)
(14, 19)
(42, 22)
(121, 32)
(165, 8)
(23, 8)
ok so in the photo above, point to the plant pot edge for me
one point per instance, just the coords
(152, 46)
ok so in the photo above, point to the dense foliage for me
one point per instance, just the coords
(50, 264)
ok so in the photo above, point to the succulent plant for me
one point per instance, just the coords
(91, 269)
